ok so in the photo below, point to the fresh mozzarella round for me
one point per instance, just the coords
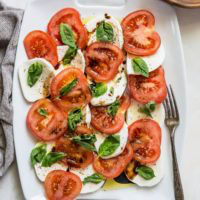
(83, 173)
(133, 114)
(78, 61)
(115, 89)
(86, 115)
(153, 62)
(41, 88)
(118, 35)
(123, 133)
(158, 169)
(41, 171)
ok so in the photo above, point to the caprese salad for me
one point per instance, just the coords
(96, 88)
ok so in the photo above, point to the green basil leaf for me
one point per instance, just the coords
(74, 117)
(87, 141)
(104, 32)
(113, 108)
(69, 55)
(43, 112)
(145, 172)
(38, 153)
(51, 158)
(148, 108)
(94, 178)
(140, 67)
(110, 144)
(98, 89)
(67, 35)
(34, 72)
(66, 89)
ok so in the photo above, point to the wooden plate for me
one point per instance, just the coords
(186, 3)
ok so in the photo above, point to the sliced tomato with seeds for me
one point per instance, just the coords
(77, 156)
(103, 61)
(106, 123)
(78, 96)
(62, 185)
(71, 17)
(45, 121)
(113, 167)
(39, 44)
(140, 38)
(145, 138)
(148, 89)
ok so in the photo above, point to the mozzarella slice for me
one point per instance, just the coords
(118, 35)
(153, 62)
(86, 115)
(115, 89)
(83, 173)
(41, 171)
(78, 61)
(133, 114)
(41, 88)
(123, 133)
(158, 169)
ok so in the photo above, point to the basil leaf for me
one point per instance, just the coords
(140, 67)
(113, 108)
(148, 108)
(110, 144)
(51, 158)
(98, 89)
(104, 32)
(34, 72)
(38, 153)
(74, 117)
(67, 35)
(69, 55)
(43, 112)
(66, 89)
(94, 178)
(87, 141)
(145, 172)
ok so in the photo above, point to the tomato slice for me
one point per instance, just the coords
(39, 44)
(113, 167)
(102, 61)
(148, 89)
(79, 94)
(62, 185)
(106, 123)
(145, 138)
(77, 156)
(140, 39)
(71, 17)
(46, 121)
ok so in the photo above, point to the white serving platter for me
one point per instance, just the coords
(37, 15)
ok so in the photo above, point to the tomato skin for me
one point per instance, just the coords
(39, 44)
(77, 156)
(71, 17)
(79, 96)
(62, 185)
(140, 39)
(102, 61)
(145, 138)
(107, 124)
(43, 128)
(141, 88)
(113, 167)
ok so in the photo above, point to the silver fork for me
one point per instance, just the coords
(172, 121)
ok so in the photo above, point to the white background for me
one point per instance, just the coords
(189, 21)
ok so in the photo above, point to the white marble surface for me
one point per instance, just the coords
(189, 20)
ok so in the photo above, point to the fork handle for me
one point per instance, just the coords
(178, 189)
